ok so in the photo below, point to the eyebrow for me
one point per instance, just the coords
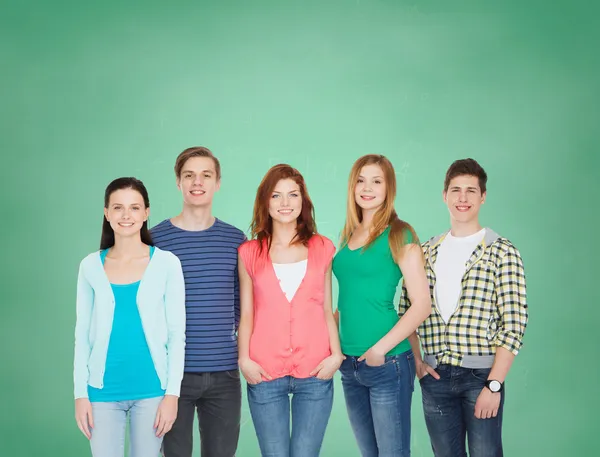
(276, 192)
(361, 176)
(203, 171)
(468, 187)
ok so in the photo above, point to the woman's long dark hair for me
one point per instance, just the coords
(108, 234)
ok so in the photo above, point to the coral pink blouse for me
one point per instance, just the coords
(289, 338)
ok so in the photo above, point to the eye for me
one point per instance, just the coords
(207, 175)
(472, 191)
(294, 194)
(360, 180)
(274, 195)
(377, 181)
(136, 208)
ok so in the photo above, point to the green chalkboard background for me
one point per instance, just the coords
(95, 90)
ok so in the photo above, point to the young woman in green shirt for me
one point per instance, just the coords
(378, 250)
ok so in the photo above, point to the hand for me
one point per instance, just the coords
(252, 371)
(166, 415)
(327, 368)
(487, 404)
(374, 357)
(83, 416)
(424, 369)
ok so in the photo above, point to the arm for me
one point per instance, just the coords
(84, 306)
(511, 296)
(251, 370)
(175, 315)
(417, 288)
(236, 297)
(327, 368)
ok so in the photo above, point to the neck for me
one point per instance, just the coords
(128, 247)
(462, 229)
(367, 219)
(283, 233)
(194, 218)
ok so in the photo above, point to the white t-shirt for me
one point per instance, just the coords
(290, 276)
(450, 267)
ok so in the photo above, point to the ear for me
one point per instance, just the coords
(147, 210)
(218, 186)
(106, 213)
(444, 196)
(178, 183)
(483, 197)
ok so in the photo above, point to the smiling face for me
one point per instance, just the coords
(464, 199)
(285, 204)
(198, 181)
(126, 212)
(370, 189)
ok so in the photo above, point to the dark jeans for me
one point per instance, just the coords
(312, 400)
(449, 405)
(378, 400)
(217, 397)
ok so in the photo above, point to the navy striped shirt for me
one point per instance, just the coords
(212, 295)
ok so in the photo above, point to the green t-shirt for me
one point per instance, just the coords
(368, 279)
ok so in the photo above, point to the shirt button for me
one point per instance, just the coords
(291, 350)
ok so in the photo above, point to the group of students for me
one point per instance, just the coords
(168, 317)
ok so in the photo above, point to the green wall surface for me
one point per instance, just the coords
(96, 90)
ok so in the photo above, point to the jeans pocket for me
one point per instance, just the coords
(481, 374)
(233, 374)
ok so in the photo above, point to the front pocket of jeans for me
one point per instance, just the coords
(481, 374)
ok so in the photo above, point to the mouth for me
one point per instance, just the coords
(463, 208)
(125, 224)
(367, 198)
(197, 193)
(285, 212)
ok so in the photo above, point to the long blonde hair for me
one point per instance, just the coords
(386, 215)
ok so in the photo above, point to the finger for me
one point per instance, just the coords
(495, 413)
(265, 374)
(157, 419)
(432, 372)
(316, 370)
(86, 430)
(161, 427)
(90, 419)
(362, 357)
(80, 426)
(478, 413)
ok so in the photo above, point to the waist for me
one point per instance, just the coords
(465, 361)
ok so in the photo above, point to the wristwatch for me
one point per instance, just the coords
(494, 386)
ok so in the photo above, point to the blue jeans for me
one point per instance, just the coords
(378, 401)
(449, 405)
(312, 400)
(110, 419)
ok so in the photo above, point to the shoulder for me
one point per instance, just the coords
(503, 247)
(321, 240)
(89, 261)
(248, 247)
(161, 227)
(166, 258)
(230, 230)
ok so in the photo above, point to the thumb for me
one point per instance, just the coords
(157, 419)
(90, 418)
(362, 357)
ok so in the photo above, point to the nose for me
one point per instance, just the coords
(199, 180)
(463, 196)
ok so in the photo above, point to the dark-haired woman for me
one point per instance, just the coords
(288, 341)
(130, 331)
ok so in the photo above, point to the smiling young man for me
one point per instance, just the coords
(477, 286)
(207, 249)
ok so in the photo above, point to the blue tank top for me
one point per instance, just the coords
(129, 373)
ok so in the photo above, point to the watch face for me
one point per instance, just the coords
(495, 386)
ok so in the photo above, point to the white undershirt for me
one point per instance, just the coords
(290, 276)
(450, 267)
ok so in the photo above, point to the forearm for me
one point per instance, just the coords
(244, 333)
(502, 363)
(406, 326)
(416, 346)
(334, 338)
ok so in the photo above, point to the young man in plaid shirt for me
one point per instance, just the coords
(477, 286)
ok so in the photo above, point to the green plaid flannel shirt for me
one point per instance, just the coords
(492, 310)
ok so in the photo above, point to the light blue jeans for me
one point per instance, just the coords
(110, 420)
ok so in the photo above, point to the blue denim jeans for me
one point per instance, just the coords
(312, 400)
(449, 405)
(378, 400)
(110, 420)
